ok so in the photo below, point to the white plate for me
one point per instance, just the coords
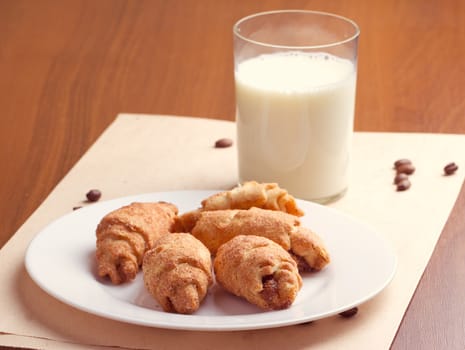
(61, 260)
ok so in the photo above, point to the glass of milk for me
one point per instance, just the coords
(295, 75)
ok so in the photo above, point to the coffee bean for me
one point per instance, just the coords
(400, 177)
(403, 185)
(402, 161)
(405, 169)
(223, 143)
(450, 168)
(349, 313)
(93, 195)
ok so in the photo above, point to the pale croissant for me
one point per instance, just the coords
(253, 194)
(250, 194)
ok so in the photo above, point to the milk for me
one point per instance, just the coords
(295, 116)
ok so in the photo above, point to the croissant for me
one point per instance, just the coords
(249, 194)
(177, 272)
(259, 270)
(125, 234)
(217, 227)
(254, 194)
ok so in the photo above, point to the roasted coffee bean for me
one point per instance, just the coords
(349, 313)
(402, 161)
(93, 195)
(400, 177)
(405, 169)
(450, 168)
(403, 185)
(223, 143)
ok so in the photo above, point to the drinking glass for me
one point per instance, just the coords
(295, 77)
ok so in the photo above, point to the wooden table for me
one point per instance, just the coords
(67, 68)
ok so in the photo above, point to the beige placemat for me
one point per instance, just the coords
(140, 153)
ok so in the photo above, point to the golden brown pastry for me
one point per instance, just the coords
(215, 228)
(253, 194)
(308, 249)
(125, 234)
(177, 272)
(250, 194)
(259, 270)
(187, 221)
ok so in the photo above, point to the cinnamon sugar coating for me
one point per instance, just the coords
(177, 272)
(125, 234)
(258, 270)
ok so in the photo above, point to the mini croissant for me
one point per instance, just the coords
(250, 194)
(178, 272)
(253, 194)
(125, 234)
(258, 270)
(214, 228)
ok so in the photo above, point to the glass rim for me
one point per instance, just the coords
(301, 47)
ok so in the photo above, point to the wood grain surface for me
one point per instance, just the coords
(68, 67)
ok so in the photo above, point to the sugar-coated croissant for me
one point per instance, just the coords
(215, 228)
(259, 270)
(177, 272)
(253, 194)
(125, 234)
